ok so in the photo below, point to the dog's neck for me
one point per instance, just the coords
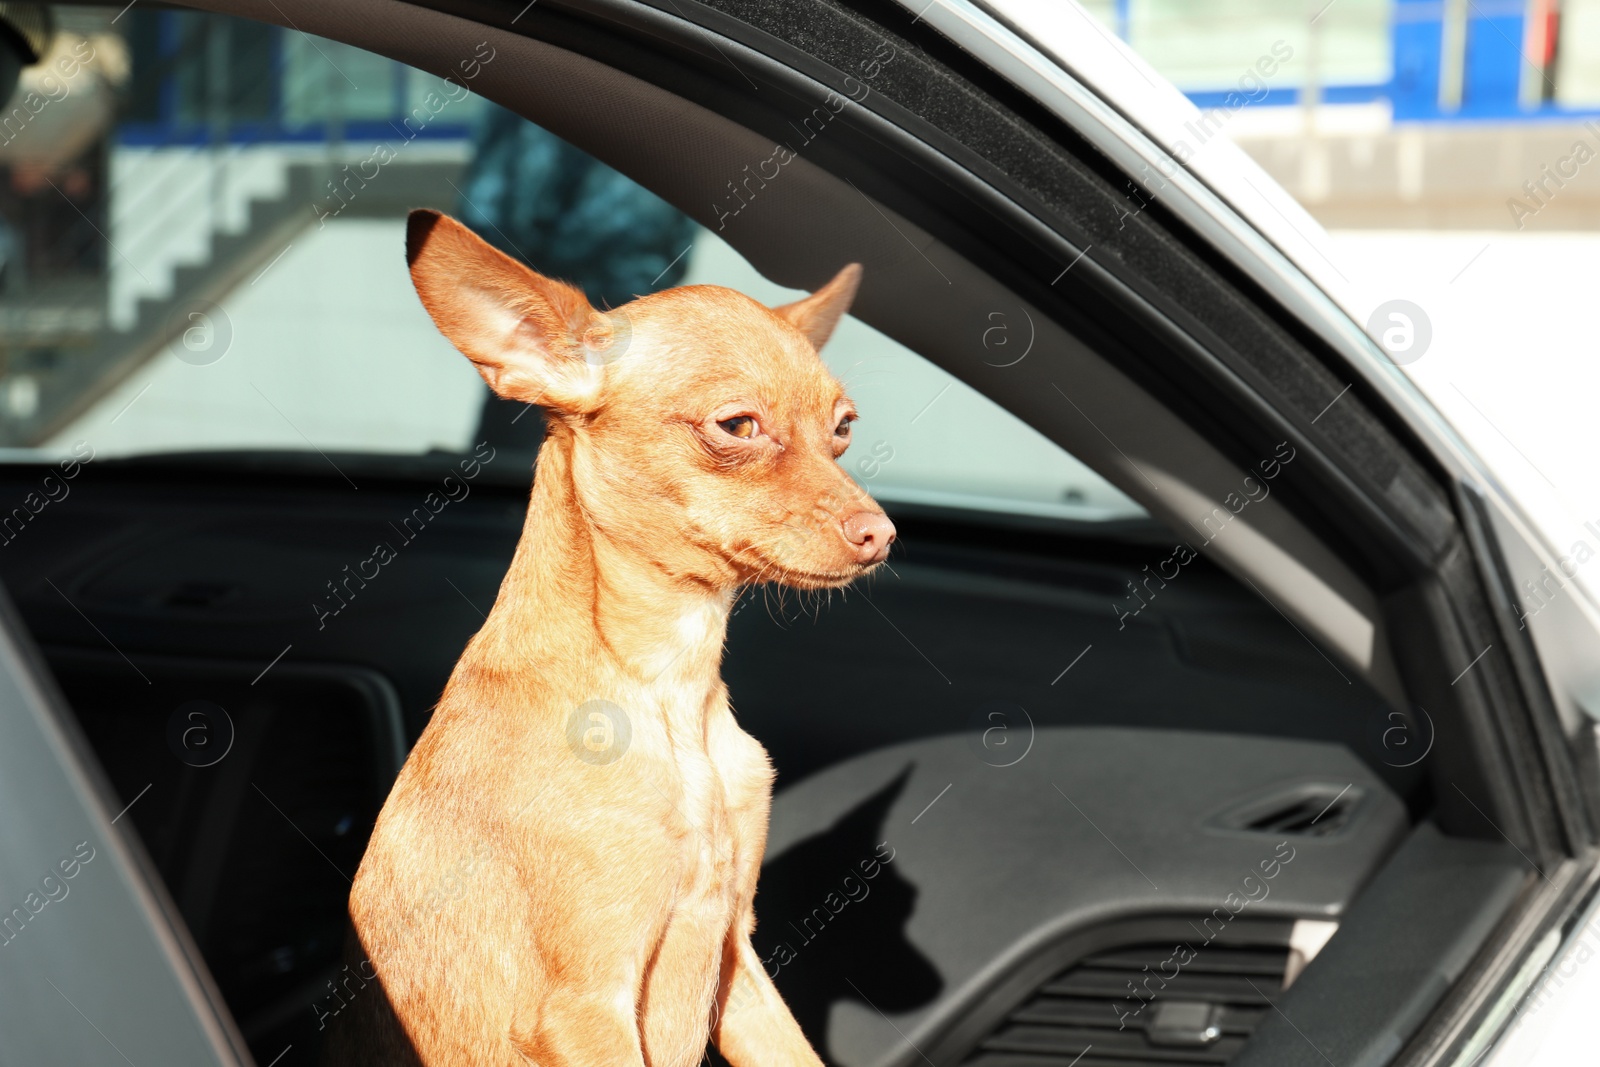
(575, 605)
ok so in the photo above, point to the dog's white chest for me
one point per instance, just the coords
(713, 857)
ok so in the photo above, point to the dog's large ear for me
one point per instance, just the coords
(532, 338)
(819, 313)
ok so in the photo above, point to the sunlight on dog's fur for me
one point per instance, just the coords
(583, 757)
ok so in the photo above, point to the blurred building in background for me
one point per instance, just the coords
(170, 158)
(1395, 114)
(161, 162)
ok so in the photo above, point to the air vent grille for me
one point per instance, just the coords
(1085, 1016)
(1311, 809)
(1311, 818)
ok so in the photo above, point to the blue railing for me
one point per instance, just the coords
(1472, 60)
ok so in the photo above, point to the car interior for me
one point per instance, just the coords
(1153, 733)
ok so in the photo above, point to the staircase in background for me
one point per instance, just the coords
(91, 356)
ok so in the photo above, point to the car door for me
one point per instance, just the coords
(92, 943)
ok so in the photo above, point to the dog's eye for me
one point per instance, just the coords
(739, 426)
(843, 429)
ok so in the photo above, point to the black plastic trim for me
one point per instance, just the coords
(1425, 917)
(1549, 760)
(986, 1011)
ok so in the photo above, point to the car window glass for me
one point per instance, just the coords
(202, 240)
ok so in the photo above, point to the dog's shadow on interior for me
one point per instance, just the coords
(831, 913)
